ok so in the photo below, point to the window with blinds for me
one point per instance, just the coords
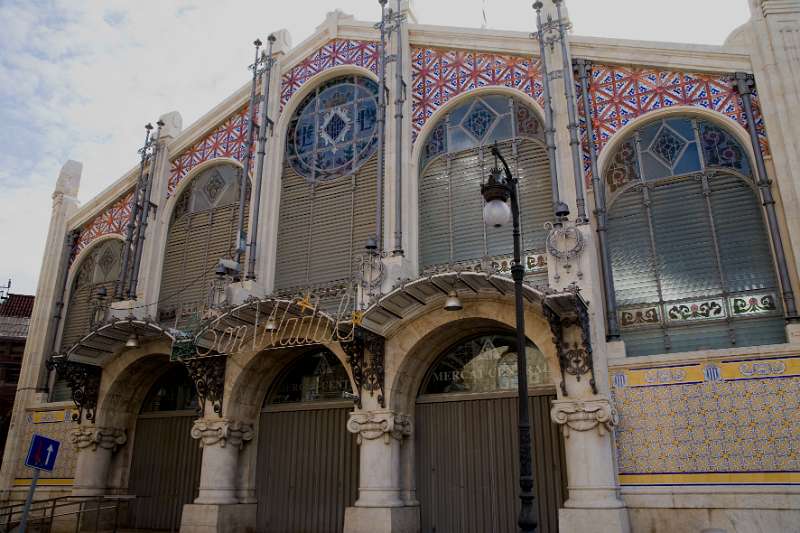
(328, 188)
(202, 231)
(455, 161)
(690, 253)
(91, 291)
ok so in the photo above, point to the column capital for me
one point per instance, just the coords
(371, 425)
(93, 437)
(584, 415)
(222, 432)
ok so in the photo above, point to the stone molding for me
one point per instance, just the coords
(584, 415)
(222, 432)
(373, 425)
(94, 437)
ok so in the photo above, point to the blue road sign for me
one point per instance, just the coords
(42, 453)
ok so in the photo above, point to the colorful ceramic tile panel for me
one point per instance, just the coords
(439, 75)
(56, 425)
(226, 140)
(720, 421)
(112, 220)
(334, 53)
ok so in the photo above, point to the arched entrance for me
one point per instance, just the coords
(165, 468)
(466, 438)
(307, 470)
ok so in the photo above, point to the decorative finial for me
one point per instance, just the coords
(148, 126)
(272, 38)
(257, 42)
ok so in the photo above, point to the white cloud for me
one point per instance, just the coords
(80, 79)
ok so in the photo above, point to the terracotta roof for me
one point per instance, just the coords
(19, 305)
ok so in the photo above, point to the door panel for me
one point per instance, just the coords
(467, 466)
(165, 470)
(307, 470)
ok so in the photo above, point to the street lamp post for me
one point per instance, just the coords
(497, 192)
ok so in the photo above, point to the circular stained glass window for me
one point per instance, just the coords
(334, 130)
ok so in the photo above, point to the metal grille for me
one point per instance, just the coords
(467, 473)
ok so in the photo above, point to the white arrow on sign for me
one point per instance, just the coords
(49, 451)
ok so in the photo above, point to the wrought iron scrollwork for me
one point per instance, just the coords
(574, 358)
(84, 382)
(208, 374)
(368, 373)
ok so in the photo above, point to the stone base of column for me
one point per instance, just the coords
(594, 520)
(381, 520)
(211, 518)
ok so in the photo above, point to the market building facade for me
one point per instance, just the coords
(291, 315)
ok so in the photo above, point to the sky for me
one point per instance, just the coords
(79, 79)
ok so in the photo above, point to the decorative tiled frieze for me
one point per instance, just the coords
(533, 263)
(642, 316)
(753, 305)
(619, 95)
(693, 311)
(334, 53)
(112, 220)
(723, 420)
(438, 75)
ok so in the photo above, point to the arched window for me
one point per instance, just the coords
(486, 363)
(328, 186)
(202, 231)
(689, 250)
(174, 391)
(97, 274)
(314, 377)
(456, 160)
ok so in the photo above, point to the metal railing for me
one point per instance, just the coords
(79, 513)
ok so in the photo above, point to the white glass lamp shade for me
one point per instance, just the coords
(496, 213)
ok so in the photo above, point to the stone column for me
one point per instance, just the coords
(380, 507)
(45, 317)
(217, 507)
(95, 445)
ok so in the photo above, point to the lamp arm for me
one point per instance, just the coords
(498, 155)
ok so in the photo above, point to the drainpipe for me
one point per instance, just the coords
(400, 87)
(744, 85)
(601, 213)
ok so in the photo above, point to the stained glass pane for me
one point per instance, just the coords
(624, 166)
(720, 149)
(333, 129)
(479, 120)
(318, 376)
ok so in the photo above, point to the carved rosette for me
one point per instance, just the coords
(584, 415)
(93, 437)
(222, 432)
(374, 425)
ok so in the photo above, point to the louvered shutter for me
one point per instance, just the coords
(535, 194)
(631, 253)
(684, 241)
(323, 229)
(434, 214)
(467, 206)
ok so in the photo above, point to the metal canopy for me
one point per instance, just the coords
(100, 344)
(412, 297)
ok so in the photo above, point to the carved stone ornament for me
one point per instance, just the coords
(377, 424)
(368, 372)
(584, 415)
(84, 382)
(208, 374)
(93, 437)
(222, 432)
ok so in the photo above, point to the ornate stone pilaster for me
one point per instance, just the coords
(584, 415)
(95, 445)
(222, 432)
(374, 425)
(221, 439)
